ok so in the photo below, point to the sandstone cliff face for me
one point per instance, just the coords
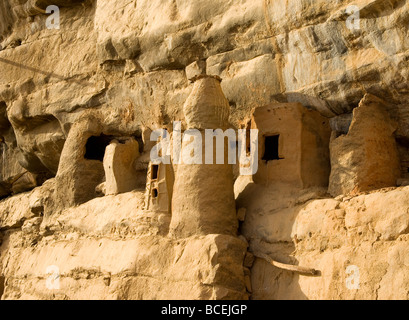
(118, 70)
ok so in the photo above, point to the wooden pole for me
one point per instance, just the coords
(288, 267)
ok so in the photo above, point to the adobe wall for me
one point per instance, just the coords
(303, 146)
(124, 69)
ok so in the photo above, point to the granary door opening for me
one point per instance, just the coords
(155, 193)
(271, 148)
(95, 147)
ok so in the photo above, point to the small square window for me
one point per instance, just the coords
(155, 193)
(95, 147)
(271, 147)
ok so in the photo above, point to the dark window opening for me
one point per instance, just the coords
(271, 148)
(154, 193)
(95, 147)
(2, 285)
(154, 172)
(141, 144)
(248, 142)
(248, 138)
(4, 121)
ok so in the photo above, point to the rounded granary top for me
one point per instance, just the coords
(206, 106)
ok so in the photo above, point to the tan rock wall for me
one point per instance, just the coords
(109, 248)
(127, 66)
(368, 233)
